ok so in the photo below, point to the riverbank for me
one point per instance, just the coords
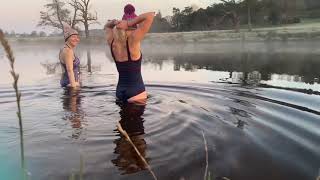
(302, 31)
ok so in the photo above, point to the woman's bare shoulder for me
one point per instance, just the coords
(65, 52)
(133, 41)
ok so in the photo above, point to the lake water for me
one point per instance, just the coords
(257, 104)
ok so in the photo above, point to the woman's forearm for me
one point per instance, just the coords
(111, 24)
(140, 18)
(72, 80)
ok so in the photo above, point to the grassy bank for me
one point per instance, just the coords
(301, 31)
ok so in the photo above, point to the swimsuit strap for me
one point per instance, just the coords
(68, 46)
(129, 54)
(71, 49)
(74, 55)
(128, 51)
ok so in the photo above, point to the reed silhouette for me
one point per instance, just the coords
(15, 77)
(131, 146)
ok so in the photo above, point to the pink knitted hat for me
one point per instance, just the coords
(129, 13)
(68, 31)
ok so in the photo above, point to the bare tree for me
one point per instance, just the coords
(84, 16)
(249, 3)
(56, 14)
(87, 18)
(231, 13)
(75, 11)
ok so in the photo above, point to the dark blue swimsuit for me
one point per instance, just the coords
(76, 70)
(130, 81)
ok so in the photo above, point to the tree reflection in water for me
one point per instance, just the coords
(71, 102)
(131, 121)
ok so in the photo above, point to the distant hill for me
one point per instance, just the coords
(94, 32)
(312, 4)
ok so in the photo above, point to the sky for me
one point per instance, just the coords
(23, 15)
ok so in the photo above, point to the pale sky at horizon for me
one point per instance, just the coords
(23, 15)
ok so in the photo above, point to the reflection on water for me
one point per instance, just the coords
(244, 78)
(51, 68)
(292, 70)
(259, 109)
(71, 102)
(266, 69)
(267, 64)
(89, 63)
(289, 65)
(131, 121)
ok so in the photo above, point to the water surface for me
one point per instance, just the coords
(257, 105)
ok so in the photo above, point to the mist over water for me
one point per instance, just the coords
(257, 104)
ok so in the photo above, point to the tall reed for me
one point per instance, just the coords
(206, 177)
(80, 174)
(15, 76)
(125, 134)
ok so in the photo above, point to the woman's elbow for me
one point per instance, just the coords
(151, 15)
(69, 70)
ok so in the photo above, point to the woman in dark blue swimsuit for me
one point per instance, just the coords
(124, 38)
(65, 80)
(70, 64)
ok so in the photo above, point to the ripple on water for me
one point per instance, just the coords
(246, 128)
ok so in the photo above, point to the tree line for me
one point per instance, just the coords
(226, 14)
(73, 12)
(233, 14)
(13, 34)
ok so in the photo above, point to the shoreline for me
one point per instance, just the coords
(287, 33)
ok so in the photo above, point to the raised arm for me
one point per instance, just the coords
(108, 30)
(144, 20)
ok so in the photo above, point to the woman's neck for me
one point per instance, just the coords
(69, 46)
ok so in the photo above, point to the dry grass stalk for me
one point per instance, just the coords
(72, 177)
(81, 168)
(80, 174)
(207, 175)
(125, 134)
(207, 157)
(15, 76)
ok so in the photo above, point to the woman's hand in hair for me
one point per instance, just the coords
(108, 29)
(122, 25)
(111, 23)
(145, 21)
